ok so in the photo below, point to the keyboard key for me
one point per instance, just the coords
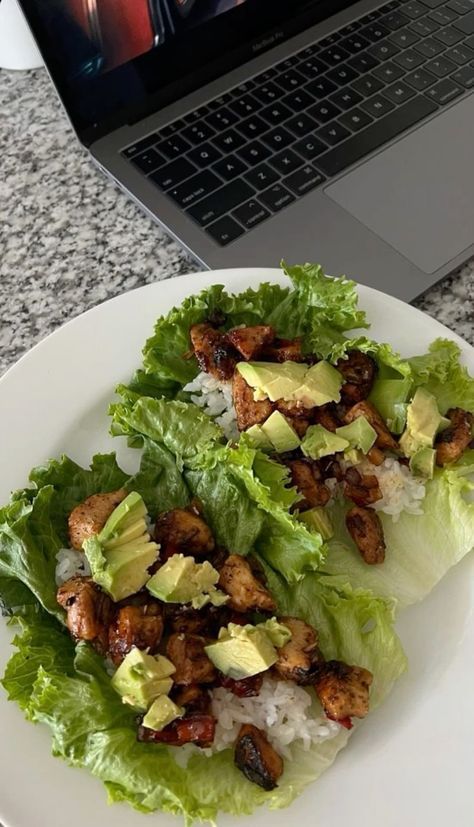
(466, 23)
(149, 160)
(286, 161)
(420, 79)
(399, 92)
(395, 20)
(333, 133)
(254, 153)
(432, 4)
(298, 101)
(378, 106)
(388, 72)
(252, 127)
(367, 85)
(228, 168)
(247, 105)
(306, 179)
(229, 141)
(276, 197)
(354, 44)
(222, 118)
(324, 112)
(289, 81)
(409, 60)
(449, 36)
(251, 214)
(383, 50)
(424, 27)
(225, 230)
(440, 67)
(445, 91)
(334, 55)
(320, 88)
(276, 114)
(172, 174)
(140, 146)
(346, 98)
(460, 6)
(443, 16)
(195, 188)
(198, 132)
(355, 119)
(403, 38)
(429, 47)
(245, 87)
(267, 93)
(375, 32)
(464, 76)
(413, 9)
(342, 74)
(262, 177)
(204, 155)
(377, 134)
(196, 114)
(174, 147)
(460, 54)
(310, 147)
(469, 42)
(312, 68)
(278, 138)
(219, 102)
(363, 62)
(301, 125)
(221, 201)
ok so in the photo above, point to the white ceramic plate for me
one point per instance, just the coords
(409, 765)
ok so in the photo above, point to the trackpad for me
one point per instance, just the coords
(418, 194)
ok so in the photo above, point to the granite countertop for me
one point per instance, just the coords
(69, 239)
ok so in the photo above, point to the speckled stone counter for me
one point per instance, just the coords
(70, 240)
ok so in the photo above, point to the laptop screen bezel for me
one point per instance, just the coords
(131, 92)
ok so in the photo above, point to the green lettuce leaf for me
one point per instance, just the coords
(441, 373)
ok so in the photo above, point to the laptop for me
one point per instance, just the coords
(317, 130)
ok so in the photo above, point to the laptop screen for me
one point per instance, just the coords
(114, 61)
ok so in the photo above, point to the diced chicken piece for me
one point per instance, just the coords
(284, 350)
(89, 517)
(313, 490)
(186, 653)
(186, 621)
(213, 351)
(299, 659)
(292, 410)
(248, 412)
(363, 489)
(194, 728)
(359, 371)
(194, 698)
(246, 592)
(385, 440)
(89, 611)
(453, 441)
(300, 425)
(183, 530)
(244, 688)
(365, 528)
(330, 468)
(256, 758)
(326, 416)
(140, 626)
(343, 690)
(376, 456)
(249, 341)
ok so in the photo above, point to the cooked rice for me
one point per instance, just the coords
(71, 563)
(283, 710)
(401, 491)
(215, 397)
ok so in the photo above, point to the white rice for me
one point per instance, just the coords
(283, 710)
(401, 491)
(215, 397)
(71, 563)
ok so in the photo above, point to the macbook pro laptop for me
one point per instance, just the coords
(317, 130)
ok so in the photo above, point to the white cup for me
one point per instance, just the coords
(18, 50)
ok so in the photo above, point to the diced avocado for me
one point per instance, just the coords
(390, 396)
(140, 678)
(182, 580)
(319, 520)
(127, 513)
(242, 651)
(422, 464)
(278, 633)
(322, 384)
(161, 713)
(423, 423)
(258, 438)
(273, 380)
(319, 442)
(280, 433)
(359, 434)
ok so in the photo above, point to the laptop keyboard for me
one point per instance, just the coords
(250, 153)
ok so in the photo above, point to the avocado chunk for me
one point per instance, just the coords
(141, 678)
(258, 438)
(273, 380)
(359, 433)
(243, 651)
(322, 384)
(390, 397)
(424, 421)
(318, 519)
(123, 551)
(162, 711)
(319, 442)
(422, 464)
(280, 433)
(182, 580)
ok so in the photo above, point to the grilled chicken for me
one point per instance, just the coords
(300, 658)
(292, 410)
(284, 350)
(248, 412)
(375, 456)
(343, 690)
(193, 697)
(330, 468)
(89, 611)
(363, 489)
(194, 728)
(300, 425)
(359, 372)
(213, 351)
(313, 490)
(183, 530)
(140, 626)
(186, 653)
(451, 442)
(249, 341)
(244, 688)
(185, 620)
(256, 758)
(89, 517)
(326, 416)
(365, 528)
(385, 440)
(246, 592)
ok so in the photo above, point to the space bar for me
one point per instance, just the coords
(374, 136)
